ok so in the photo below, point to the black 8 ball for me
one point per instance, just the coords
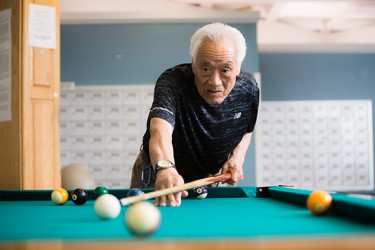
(200, 192)
(79, 196)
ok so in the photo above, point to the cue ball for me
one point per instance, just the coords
(107, 206)
(79, 196)
(319, 202)
(59, 196)
(100, 190)
(142, 218)
(200, 192)
(134, 192)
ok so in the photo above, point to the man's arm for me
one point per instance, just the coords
(160, 144)
(234, 164)
(161, 148)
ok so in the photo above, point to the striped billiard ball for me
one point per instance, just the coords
(200, 192)
(59, 196)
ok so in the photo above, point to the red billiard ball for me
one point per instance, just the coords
(79, 196)
(319, 202)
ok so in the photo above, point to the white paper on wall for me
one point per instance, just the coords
(42, 26)
(5, 65)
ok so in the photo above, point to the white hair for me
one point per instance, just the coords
(217, 32)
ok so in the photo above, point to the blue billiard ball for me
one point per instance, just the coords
(135, 192)
(200, 192)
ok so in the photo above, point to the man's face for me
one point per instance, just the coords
(215, 69)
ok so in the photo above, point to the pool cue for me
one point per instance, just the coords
(190, 185)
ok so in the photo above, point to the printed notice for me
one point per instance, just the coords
(5, 65)
(42, 26)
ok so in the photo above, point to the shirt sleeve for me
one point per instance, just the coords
(164, 104)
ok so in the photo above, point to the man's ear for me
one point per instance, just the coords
(238, 71)
(193, 67)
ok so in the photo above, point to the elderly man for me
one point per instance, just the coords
(202, 116)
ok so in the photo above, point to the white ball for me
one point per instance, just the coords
(107, 206)
(143, 218)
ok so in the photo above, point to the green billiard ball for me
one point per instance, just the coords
(99, 190)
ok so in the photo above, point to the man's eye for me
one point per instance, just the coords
(226, 70)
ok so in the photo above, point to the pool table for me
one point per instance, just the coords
(229, 218)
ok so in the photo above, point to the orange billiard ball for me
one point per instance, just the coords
(319, 202)
(59, 196)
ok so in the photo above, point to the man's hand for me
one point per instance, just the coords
(168, 178)
(234, 165)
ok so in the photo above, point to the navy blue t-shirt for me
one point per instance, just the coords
(204, 135)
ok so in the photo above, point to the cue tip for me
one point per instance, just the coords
(124, 203)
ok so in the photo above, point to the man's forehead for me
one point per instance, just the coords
(205, 62)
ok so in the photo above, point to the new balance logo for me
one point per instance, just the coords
(237, 115)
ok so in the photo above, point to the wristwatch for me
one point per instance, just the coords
(164, 164)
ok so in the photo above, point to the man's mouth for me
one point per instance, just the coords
(213, 91)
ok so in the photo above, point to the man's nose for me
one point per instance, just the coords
(215, 79)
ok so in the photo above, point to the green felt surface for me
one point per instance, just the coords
(347, 206)
(218, 217)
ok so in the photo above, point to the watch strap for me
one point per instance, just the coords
(161, 167)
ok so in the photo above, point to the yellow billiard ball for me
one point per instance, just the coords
(59, 196)
(319, 202)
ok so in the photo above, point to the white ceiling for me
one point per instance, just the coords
(282, 25)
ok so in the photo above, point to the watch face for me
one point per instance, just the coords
(165, 163)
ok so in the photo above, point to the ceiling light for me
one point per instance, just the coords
(312, 9)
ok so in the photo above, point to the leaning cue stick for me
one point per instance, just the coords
(190, 185)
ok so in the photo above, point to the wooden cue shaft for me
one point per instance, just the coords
(190, 185)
